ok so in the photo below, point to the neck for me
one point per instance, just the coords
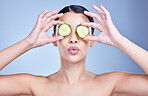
(72, 72)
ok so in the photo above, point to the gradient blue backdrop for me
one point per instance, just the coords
(18, 17)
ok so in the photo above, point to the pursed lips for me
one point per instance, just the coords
(73, 49)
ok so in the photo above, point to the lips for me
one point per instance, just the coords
(73, 50)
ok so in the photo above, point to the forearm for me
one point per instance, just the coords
(139, 55)
(9, 54)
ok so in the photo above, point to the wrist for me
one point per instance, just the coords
(27, 44)
(119, 41)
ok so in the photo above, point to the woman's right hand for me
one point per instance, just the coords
(38, 36)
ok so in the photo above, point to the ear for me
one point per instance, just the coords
(92, 43)
(54, 43)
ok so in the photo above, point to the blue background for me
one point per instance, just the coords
(18, 17)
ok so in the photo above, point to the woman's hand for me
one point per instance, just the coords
(109, 34)
(38, 36)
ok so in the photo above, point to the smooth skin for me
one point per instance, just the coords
(73, 79)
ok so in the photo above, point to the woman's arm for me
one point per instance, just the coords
(38, 37)
(130, 84)
(21, 84)
(9, 54)
(110, 35)
(139, 55)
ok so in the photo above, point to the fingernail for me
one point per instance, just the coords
(45, 10)
(61, 13)
(85, 11)
(102, 5)
(94, 5)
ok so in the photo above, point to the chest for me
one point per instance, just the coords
(83, 90)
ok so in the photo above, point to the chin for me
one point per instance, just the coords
(73, 58)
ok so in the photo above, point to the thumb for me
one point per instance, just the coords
(53, 39)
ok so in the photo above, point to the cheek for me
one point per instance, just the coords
(85, 43)
(62, 44)
(84, 46)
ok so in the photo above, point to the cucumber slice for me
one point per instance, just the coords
(64, 30)
(82, 31)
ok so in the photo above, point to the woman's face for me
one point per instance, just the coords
(73, 40)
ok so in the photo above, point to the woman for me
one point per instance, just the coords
(73, 79)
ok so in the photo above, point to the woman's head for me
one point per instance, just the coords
(73, 15)
(75, 9)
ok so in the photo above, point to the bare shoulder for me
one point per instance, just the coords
(121, 76)
(14, 83)
(110, 79)
(130, 83)
(35, 79)
(117, 77)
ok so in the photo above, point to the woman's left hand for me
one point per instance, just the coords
(109, 34)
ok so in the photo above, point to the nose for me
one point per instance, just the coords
(73, 38)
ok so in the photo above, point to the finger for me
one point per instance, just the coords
(48, 15)
(51, 24)
(94, 15)
(98, 10)
(107, 14)
(56, 38)
(54, 17)
(42, 15)
(51, 13)
(93, 25)
(55, 23)
(91, 38)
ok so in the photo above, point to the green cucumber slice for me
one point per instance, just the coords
(82, 31)
(64, 30)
